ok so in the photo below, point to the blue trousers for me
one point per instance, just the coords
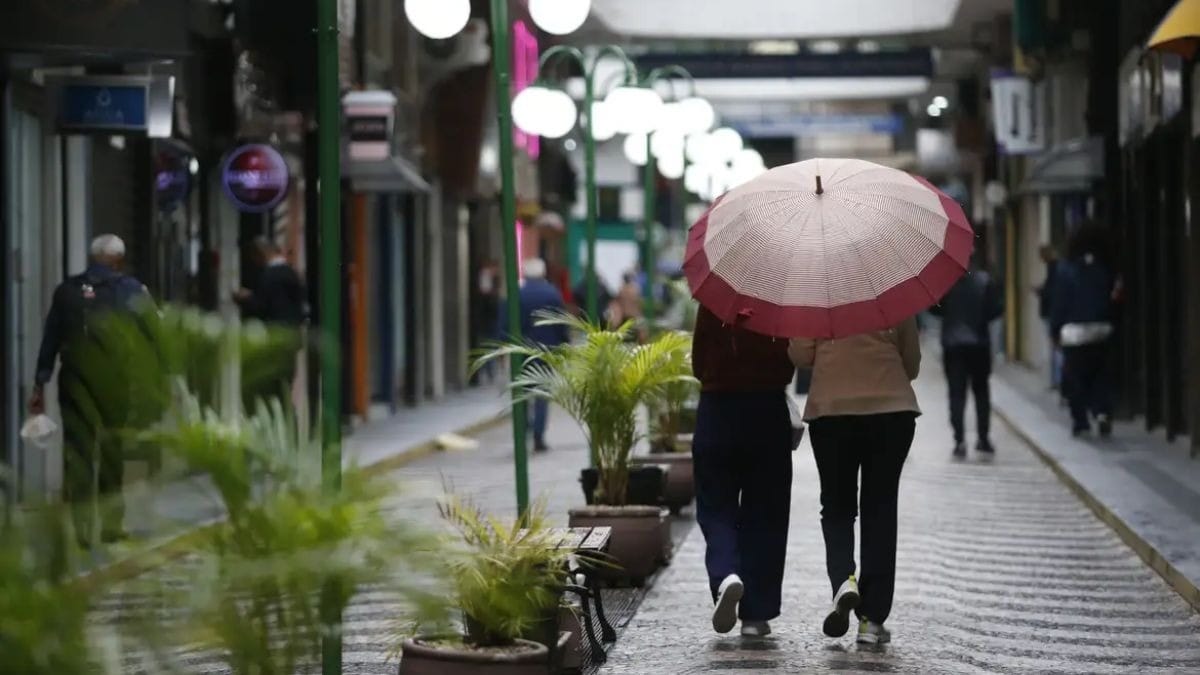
(540, 413)
(743, 467)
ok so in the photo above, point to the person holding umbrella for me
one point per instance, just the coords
(840, 255)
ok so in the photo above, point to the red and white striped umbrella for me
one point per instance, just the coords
(827, 248)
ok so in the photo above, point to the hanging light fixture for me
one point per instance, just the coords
(528, 107)
(559, 17)
(438, 19)
(603, 124)
(696, 115)
(664, 144)
(635, 149)
(558, 115)
(671, 166)
(726, 143)
(635, 110)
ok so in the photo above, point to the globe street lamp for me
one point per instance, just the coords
(438, 19)
(544, 112)
(559, 17)
(665, 151)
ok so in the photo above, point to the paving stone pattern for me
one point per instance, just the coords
(485, 475)
(1001, 570)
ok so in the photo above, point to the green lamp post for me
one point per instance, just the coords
(550, 113)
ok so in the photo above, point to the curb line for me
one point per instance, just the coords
(175, 546)
(1144, 549)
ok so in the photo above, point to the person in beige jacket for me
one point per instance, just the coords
(862, 414)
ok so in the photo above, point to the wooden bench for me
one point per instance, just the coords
(588, 548)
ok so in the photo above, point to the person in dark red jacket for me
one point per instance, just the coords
(743, 463)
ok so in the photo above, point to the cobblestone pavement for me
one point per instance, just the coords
(1001, 570)
(485, 475)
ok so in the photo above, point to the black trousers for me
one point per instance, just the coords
(875, 446)
(1086, 383)
(93, 459)
(969, 366)
(743, 463)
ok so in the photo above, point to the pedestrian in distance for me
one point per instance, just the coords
(1045, 294)
(278, 300)
(538, 295)
(1082, 314)
(862, 414)
(579, 297)
(967, 313)
(94, 397)
(742, 451)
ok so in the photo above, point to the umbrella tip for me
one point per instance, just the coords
(820, 190)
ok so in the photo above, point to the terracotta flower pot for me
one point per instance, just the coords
(680, 488)
(637, 544)
(441, 655)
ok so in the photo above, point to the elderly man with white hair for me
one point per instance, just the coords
(89, 401)
(536, 295)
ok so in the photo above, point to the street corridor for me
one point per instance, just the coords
(1001, 570)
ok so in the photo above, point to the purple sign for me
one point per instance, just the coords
(255, 178)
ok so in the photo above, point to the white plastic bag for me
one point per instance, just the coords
(38, 430)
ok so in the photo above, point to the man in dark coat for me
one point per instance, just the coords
(93, 401)
(537, 295)
(1081, 322)
(278, 300)
(967, 312)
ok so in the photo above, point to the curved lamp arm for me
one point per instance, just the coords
(672, 73)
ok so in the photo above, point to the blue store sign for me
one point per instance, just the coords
(790, 126)
(88, 107)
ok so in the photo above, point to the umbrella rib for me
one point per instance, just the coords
(892, 242)
(870, 279)
(924, 236)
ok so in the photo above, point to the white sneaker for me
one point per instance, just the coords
(755, 629)
(724, 616)
(837, 623)
(871, 633)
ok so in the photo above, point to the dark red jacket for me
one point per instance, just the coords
(726, 358)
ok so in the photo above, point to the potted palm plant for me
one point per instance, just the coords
(508, 585)
(601, 380)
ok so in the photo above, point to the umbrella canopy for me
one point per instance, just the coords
(1179, 30)
(827, 248)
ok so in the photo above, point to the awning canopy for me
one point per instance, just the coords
(1179, 30)
(394, 174)
(1070, 167)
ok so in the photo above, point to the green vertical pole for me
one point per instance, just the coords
(508, 220)
(329, 155)
(589, 169)
(648, 228)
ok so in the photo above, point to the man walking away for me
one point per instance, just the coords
(579, 297)
(278, 300)
(539, 295)
(1082, 325)
(967, 312)
(93, 401)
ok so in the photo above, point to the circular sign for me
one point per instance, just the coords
(255, 177)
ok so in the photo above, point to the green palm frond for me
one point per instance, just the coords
(601, 380)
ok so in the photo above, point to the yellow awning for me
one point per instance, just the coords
(1179, 30)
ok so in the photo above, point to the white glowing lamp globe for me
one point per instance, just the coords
(528, 107)
(438, 19)
(636, 110)
(748, 161)
(696, 115)
(635, 149)
(603, 125)
(698, 148)
(558, 115)
(664, 144)
(559, 17)
(670, 120)
(696, 178)
(726, 143)
(671, 166)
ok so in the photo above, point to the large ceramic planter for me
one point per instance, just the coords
(427, 656)
(680, 487)
(637, 545)
(646, 485)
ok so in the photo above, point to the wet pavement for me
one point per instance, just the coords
(1001, 570)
